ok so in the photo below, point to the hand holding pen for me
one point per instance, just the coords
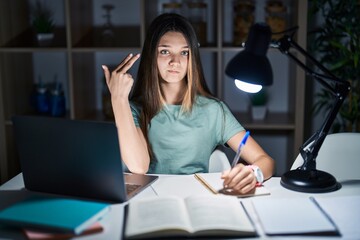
(238, 179)
(238, 152)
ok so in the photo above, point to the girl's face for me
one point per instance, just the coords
(173, 57)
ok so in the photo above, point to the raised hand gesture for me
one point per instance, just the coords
(119, 81)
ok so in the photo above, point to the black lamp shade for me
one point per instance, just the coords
(251, 65)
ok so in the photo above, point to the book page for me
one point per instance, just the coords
(214, 183)
(218, 212)
(156, 214)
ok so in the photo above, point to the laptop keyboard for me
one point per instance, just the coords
(131, 187)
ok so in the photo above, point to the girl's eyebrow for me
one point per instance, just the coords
(165, 45)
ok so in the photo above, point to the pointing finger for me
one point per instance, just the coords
(106, 73)
(123, 62)
(129, 63)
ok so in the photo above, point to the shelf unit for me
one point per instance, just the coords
(77, 52)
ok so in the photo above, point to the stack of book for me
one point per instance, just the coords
(48, 218)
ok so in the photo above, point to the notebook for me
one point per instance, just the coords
(74, 157)
(214, 183)
(54, 215)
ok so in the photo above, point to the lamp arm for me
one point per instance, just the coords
(284, 44)
(309, 150)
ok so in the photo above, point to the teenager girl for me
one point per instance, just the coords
(168, 121)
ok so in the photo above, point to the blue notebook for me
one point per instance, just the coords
(54, 214)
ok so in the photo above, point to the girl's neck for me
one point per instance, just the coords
(173, 92)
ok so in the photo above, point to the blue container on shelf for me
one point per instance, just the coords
(42, 99)
(57, 101)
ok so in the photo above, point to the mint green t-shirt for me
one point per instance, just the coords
(183, 142)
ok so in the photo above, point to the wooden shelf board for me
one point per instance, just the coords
(27, 39)
(31, 49)
(272, 121)
(128, 37)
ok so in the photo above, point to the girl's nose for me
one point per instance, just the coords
(175, 59)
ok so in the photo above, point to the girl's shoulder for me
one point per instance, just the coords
(203, 101)
(135, 107)
(206, 100)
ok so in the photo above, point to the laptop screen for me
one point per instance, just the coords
(72, 157)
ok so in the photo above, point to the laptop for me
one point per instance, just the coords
(74, 157)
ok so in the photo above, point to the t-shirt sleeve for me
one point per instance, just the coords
(229, 124)
(135, 110)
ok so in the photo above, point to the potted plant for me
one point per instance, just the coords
(42, 22)
(336, 42)
(258, 104)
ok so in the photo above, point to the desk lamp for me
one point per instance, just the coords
(251, 70)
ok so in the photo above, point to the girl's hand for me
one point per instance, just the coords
(240, 179)
(119, 81)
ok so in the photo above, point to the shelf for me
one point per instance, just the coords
(272, 122)
(27, 39)
(96, 39)
(78, 51)
(32, 50)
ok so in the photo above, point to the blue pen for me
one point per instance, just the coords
(241, 146)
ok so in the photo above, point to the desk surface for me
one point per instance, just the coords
(183, 186)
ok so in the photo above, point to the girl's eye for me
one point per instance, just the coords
(185, 53)
(163, 52)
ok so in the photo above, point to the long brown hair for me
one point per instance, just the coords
(147, 93)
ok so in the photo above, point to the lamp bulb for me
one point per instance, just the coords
(247, 87)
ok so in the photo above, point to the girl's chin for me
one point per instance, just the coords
(172, 80)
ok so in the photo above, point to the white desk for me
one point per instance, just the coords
(180, 186)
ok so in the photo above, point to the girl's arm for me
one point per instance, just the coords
(132, 143)
(242, 178)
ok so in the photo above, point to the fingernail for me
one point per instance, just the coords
(103, 66)
(130, 55)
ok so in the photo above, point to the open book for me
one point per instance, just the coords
(200, 215)
(214, 183)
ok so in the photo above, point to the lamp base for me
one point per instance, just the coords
(313, 181)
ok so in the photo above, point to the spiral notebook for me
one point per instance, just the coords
(214, 183)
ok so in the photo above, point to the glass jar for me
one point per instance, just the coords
(42, 99)
(197, 14)
(244, 17)
(57, 101)
(276, 18)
